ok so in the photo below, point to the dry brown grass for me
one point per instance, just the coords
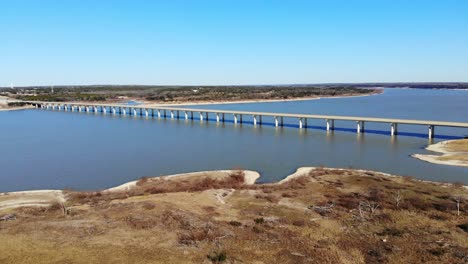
(457, 145)
(329, 216)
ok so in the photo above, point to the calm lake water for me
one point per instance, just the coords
(44, 149)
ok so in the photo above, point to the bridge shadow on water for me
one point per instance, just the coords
(350, 130)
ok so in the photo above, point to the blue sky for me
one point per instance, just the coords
(232, 41)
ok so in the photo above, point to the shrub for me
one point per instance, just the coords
(140, 222)
(349, 201)
(437, 251)
(388, 231)
(148, 205)
(299, 223)
(235, 223)
(463, 226)
(217, 256)
(259, 220)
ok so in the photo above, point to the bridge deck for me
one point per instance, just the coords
(291, 115)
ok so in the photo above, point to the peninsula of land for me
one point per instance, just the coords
(316, 215)
(453, 152)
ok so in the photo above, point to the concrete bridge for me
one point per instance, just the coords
(188, 113)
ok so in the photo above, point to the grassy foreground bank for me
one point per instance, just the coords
(318, 215)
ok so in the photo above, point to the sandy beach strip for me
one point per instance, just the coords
(16, 108)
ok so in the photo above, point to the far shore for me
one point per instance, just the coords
(146, 103)
(149, 103)
(448, 156)
(11, 200)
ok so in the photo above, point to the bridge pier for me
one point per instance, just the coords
(178, 114)
(113, 110)
(330, 124)
(172, 114)
(278, 121)
(217, 118)
(201, 116)
(95, 109)
(302, 122)
(186, 115)
(159, 113)
(254, 120)
(393, 129)
(360, 127)
(431, 131)
(146, 112)
(235, 119)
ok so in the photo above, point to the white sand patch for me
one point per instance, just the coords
(30, 198)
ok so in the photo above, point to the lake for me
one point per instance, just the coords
(44, 149)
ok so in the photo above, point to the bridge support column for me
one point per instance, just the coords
(235, 119)
(217, 118)
(113, 110)
(186, 115)
(165, 113)
(260, 120)
(393, 129)
(135, 113)
(95, 109)
(278, 121)
(146, 113)
(177, 114)
(206, 116)
(191, 115)
(301, 123)
(201, 116)
(431, 131)
(124, 111)
(159, 113)
(359, 126)
(330, 124)
(254, 120)
(240, 118)
(172, 114)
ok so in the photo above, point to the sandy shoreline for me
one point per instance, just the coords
(16, 108)
(440, 147)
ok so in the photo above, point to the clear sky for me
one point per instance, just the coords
(46, 42)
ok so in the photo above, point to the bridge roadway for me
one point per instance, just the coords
(237, 115)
